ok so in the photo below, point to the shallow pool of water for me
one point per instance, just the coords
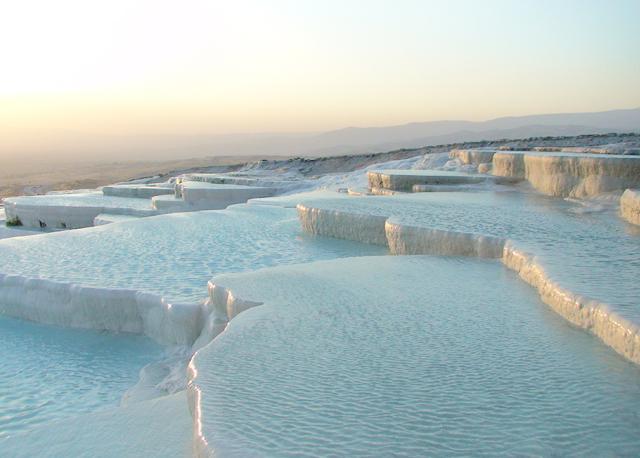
(173, 255)
(409, 356)
(49, 373)
(83, 199)
(584, 246)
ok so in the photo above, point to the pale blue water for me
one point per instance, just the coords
(410, 356)
(406, 356)
(588, 249)
(49, 373)
(173, 255)
(84, 199)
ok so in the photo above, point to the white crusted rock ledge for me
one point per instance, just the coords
(71, 211)
(565, 173)
(141, 191)
(630, 206)
(593, 316)
(472, 156)
(405, 180)
(581, 176)
(320, 319)
(570, 175)
(407, 240)
(109, 309)
(596, 317)
(343, 225)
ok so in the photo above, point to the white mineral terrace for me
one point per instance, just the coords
(402, 356)
(11, 231)
(630, 206)
(71, 211)
(304, 336)
(107, 218)
(473, 156)
(196, 195)
(583, 263)
(405, 180)
(138, 190)
(77, 210)
(92, 277)
(269, 181)
(561, 174)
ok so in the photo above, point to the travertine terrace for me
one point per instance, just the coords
(630, 206)
(229, 271)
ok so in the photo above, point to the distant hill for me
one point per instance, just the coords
(440, 132)
(616, 120)
(356, 140)
(350, 140)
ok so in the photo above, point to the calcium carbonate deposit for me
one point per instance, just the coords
(560, 242)
(455, 366)
(37, 361)
(98, 278)
(560, 174)
(472, 302)
(630, 206)
(70, 211)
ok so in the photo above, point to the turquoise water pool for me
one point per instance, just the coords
(172, 255)
(409, 356)
(584, 246)
(49, 373)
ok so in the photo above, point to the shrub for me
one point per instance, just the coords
(14, 222)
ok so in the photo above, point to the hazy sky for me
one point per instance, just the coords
(121, 67)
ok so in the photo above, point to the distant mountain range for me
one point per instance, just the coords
(353, 140)
(555, 124)
(350, 140)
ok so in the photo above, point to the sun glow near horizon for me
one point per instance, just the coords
(144, 67)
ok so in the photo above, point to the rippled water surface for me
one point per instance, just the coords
(410, 356)
(84, 199)
(48, 373)
(172, 255)
(586, 247)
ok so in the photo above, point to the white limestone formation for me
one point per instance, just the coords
(169, 203)
(405, 180)
(201, 195)
(472, 156)
(109, 309)
(581, 175)
(508, 164)
(208, 196)
(324, 323)
(485, 167)
(93, 279)
(383, 192)
(408, 240)
(142, 191)
(71, 211)
(353, 191)
(195, 324)
(442, 188)
(267, 181)
(570, 175)
(343, 225)
(106, 218)
(630, 206)
(12, 230)
(617, 332)
(596, 317)
(220, 308)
